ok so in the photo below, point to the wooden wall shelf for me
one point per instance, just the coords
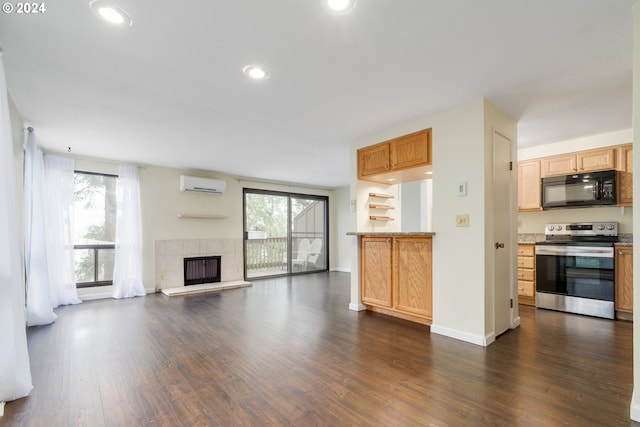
(196, 216)
(378, 206)
(380, 218)
(382, 195)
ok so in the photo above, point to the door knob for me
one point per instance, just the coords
(499, 245)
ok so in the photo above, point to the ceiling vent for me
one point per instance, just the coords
(202, 185)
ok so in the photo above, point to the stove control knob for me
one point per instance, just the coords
(550, 227)
(609, 226)
(559, 227)
(600, 226)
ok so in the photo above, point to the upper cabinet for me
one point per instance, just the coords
(401, 159)
(583, 161)
(529, 189)
(625, 175)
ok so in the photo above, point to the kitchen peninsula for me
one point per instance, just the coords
(396, 273)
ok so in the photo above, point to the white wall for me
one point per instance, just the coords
(411, 197)
(534, 222)
(344, 222)
(619, 137)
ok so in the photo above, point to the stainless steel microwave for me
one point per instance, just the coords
(579, 190)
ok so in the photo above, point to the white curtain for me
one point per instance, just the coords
(15, 376)
(59, 223)
(127, 269)
(39, 307)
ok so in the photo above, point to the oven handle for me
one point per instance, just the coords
(582, 251)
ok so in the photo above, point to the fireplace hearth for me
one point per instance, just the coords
(202, 269)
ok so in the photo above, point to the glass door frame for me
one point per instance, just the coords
(289, 248)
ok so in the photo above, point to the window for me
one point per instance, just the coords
(94, 228)
(285, 233)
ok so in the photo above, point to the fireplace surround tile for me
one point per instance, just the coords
(169, 256)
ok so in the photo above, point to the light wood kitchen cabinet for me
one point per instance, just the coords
(373, 160)
(412, 275)
(625, 175)
(583, 161)
(527, 274)
(529, 187)
(396, 276)
(624, 280)
(376, 273)
(401, 159)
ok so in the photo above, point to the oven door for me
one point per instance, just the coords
(575, 271)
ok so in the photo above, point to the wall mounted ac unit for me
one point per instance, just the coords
(202, 185)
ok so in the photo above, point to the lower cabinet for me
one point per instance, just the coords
(527, 274)
(396, 274)
(624, 282)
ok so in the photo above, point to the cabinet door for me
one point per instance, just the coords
(625, 175)
(529, 185)
(411, 150)
(624, 279)
(559, 165)
(375, 254)
(596, 160)
(373, 160)
(412, 271)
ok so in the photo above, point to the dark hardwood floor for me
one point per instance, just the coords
(289, 352)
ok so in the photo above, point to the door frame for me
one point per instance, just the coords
(289, 250)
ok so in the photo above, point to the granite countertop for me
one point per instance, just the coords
(391, 233)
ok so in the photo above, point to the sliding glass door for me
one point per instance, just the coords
(284, 233)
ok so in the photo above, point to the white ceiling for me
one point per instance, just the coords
(169, 90)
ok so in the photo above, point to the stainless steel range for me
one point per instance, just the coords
(575, 268)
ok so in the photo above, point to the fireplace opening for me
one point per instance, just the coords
(202, 269)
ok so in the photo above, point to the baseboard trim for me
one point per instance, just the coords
(463, 336)
(104, 295)
(515, 322)
(357, 307)
(634, 411)
(342, 270)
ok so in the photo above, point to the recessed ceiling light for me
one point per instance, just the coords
(110, 13)
(391, 179)
(341, 6)
(255, 72)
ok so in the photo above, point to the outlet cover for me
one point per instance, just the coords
(462, 220)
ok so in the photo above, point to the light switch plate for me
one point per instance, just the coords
(462, 220)
(462, 189)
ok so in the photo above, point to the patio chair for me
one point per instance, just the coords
(299, 257)
(314, 251)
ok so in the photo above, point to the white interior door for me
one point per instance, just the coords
(502, 232)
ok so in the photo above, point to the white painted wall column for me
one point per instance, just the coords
(635, 399)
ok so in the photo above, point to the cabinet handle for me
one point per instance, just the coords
(388, 240)
(393, 165)
(386, 166)
(395, 241)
